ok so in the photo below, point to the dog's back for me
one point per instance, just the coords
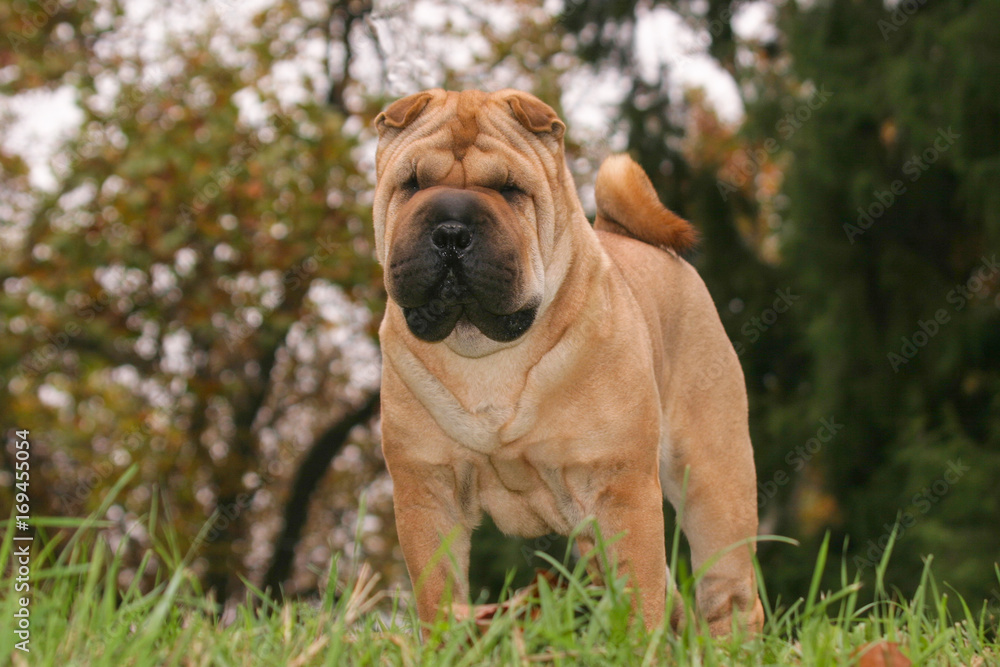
(627, 204)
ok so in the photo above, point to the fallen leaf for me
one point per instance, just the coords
(483, 614)
(881, 654)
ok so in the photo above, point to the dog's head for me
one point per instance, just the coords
(465, 209)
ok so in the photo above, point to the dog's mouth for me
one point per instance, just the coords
(454, 302)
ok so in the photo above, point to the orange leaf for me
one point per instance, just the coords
(881, 654)
(485, 613)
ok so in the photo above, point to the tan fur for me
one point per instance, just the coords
(627, 204)
(625, 379)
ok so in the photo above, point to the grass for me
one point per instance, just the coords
(80, 616)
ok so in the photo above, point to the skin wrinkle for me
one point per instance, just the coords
(557, 343)
(422, 128)
(520, 492)
(465, 126)
(466, 478)
(500, 477)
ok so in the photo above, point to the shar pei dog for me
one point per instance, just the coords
(546, 370)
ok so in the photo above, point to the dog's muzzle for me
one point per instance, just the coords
(452, 262)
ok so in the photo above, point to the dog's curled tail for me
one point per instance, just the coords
(627, 204)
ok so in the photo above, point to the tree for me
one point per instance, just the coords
(173, 302)
(891, 232)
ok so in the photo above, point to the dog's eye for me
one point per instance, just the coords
(511, 191)
(411, 185)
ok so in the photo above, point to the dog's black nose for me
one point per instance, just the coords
(451, 237)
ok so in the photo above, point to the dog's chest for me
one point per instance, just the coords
(524, 497)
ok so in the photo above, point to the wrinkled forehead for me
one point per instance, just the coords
(468, 138)
(463, 122)
(464, 138)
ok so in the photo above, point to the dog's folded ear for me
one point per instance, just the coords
(535, 115)
(402, 112)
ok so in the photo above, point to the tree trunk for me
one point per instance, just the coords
(310, 472)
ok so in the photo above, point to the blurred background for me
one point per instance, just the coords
(187, 282)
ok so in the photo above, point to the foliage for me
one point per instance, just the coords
(890, 235)
(170, 302)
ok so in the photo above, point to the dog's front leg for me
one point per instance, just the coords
(434, 540)
(633, 505)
